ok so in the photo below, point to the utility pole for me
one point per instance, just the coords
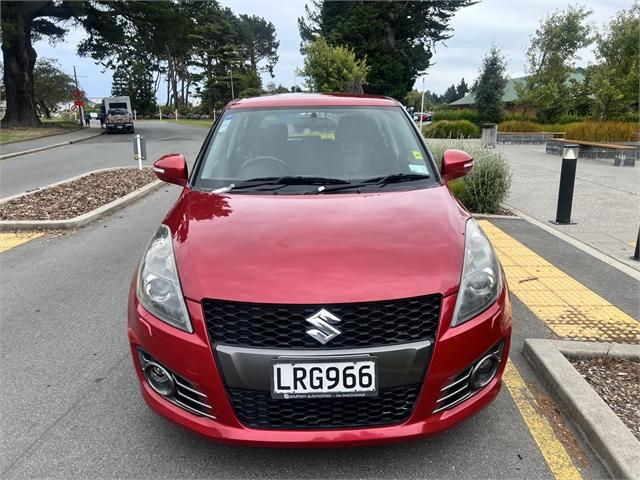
(233, 95)
(422, 104)
(77, 89)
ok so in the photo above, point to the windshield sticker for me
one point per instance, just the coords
(417, 154)
(422, 169)
(225, 123)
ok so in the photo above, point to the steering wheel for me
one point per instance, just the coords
(262, 158)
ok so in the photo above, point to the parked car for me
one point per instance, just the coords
(118, 116)
(311, 290)
(423, 116)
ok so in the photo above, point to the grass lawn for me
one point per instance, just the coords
(193, 123)
(49, 127)
(185, 121)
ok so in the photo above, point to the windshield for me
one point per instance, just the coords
(306, 146)
(118, 111)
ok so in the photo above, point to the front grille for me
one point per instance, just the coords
(259, 410)
(367, 324)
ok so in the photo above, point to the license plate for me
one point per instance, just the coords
(119, 126)
(324, 378)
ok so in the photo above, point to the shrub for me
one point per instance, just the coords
(487, 186)
(609, 131)
(555, 127)
(519, 117)
(568, 118)
(633, 117)
(451, 129)
(455, 114)
(519, 126)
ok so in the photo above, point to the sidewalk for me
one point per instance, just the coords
(606, 200)
(43, 142)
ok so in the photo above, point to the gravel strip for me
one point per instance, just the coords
(79, 196)
(617, 381)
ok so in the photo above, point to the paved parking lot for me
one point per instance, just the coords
(70, 400)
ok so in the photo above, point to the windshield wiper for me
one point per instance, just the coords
(382, 181)
(280, 181)
(397, 178)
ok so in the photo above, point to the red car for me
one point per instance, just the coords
(318, 286)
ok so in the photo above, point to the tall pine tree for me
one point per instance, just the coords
(490, 86)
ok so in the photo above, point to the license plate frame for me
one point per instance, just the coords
(326, 362)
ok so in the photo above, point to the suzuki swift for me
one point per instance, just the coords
(316, 282)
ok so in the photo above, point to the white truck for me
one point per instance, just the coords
(118, 116)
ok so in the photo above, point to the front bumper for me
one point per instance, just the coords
(191, 356)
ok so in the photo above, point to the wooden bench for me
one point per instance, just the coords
(612, 146)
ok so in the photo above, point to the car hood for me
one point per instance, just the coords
(331, 248)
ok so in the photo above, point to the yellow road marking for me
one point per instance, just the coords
(13, 239)
(569, 308)
(550, 446)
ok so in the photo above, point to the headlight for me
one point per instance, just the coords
(481, 281)
(159, 289)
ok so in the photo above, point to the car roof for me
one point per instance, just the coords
(315, 100)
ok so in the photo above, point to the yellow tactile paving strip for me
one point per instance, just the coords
(569, 308)
(550, 446)
(9, 240)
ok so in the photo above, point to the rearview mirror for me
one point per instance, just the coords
(455, 164)
(172, 168)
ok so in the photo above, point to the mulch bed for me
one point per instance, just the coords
(71, 199)
(617, 381)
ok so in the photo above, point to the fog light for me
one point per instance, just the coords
(159, 379)
(483, 372)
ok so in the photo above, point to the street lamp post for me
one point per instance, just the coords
(422, 104)
(233, 95)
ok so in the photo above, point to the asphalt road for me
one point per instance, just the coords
(70, 402)
(34, 170)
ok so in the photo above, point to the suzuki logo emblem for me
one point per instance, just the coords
(324, 331)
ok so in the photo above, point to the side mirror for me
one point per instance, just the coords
(172, 168)
(455, 164)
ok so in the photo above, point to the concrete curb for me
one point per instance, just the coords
(610, 439)
(603, 257)
(81, 220)
(47, 147)
(494, 216)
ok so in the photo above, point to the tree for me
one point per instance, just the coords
(135, 80)
(258, 39)
(332, 69)
(462, 89)
(551, 56)
(615, 79)
(51, 85)
(450, 94)
(489, 88)
(21, 23)
(396, 37)
(413, 99)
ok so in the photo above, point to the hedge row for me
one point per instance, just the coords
(591, 131)
(451, 129)
(610, 131)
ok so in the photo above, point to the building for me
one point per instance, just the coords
(510, 95)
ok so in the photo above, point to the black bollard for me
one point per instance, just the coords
(636, 254)
(567, 181)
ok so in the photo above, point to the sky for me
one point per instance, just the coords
(507, 23)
